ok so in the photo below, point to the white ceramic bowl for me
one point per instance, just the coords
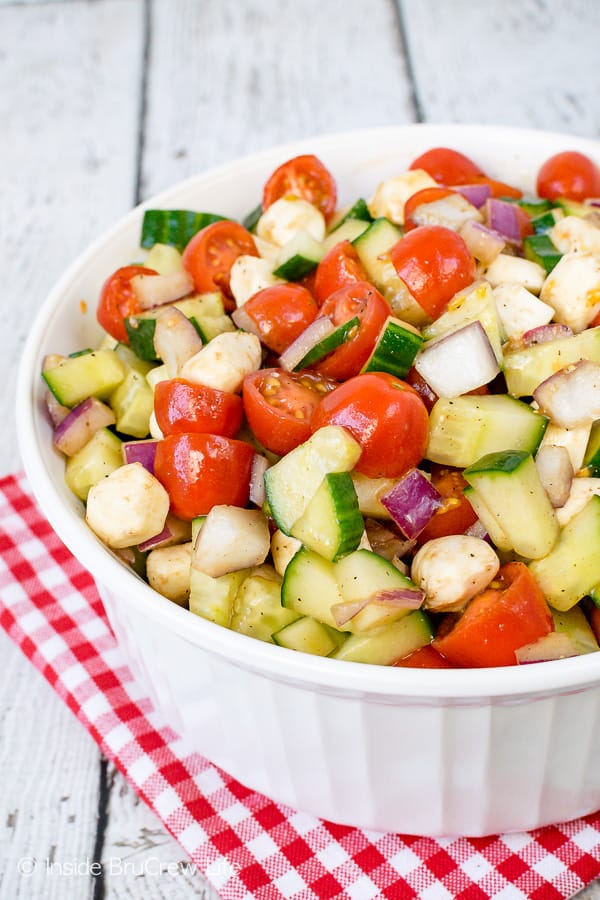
(431, 752)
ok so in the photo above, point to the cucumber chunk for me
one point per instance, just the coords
(540, 249)
(387, 644)
(362, 574)
(298, 257)
(509, 485)
(292, 482)
(395, 350)
(308, 636)
(463, 429)
(310, 586)
(257, 609)
(475, 304)
(331, 524)
(213, 598)
(175, 227)
(525, 369)
(328, 344)
(133, 404)
(572, 568)
(348, 230)
(94, 374)
(101, 455)
(573, 623)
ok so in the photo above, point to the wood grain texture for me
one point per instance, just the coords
(49, 781)
(531, 63)
(227, 78)
(69, 99)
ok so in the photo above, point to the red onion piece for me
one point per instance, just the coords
(477, 529)
(458, 362)
(503, 218)
(571, 397)
(245, 322)
(310, 337)
(401, 598)
(142, 452)
(346, 610)
(156, 290)
(476, 194)
(56, 410)
(556, 472)
(412, 502)
(543, 333)
(483, 243)
(385, 542)
(75, 430)
(257, 479)
(176, 531)
(556, 645)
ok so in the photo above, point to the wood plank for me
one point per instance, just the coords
(530, 63)
(140, 858)
(69, 99)
(228, 78)
(49, 768)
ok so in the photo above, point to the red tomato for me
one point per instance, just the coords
(447, 166)
(281, 313)
(423, 658)
(456, 514)
(279, 406)
(498, 621)
(387, 418)
(569, 174)
(498, 188)
(434, 263)
(200, 471)
(118, 301)
(422, 198)
(359, 299)
(181, 406)
(211, 253)
(305, 177)
(339, 267)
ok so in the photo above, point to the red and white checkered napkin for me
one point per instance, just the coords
(246, 845)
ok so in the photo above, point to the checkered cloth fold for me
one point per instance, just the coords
(246, 845)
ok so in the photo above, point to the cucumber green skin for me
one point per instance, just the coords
(95, 374)
(502, 463)
(534, 207)
(175, 227)
(296, 267)
(308, 636)
(545, 221)
(388, 644)
(141, 337)
(540, 249)
(572, 568)
(591, 459)
(359, 210)
(101, 455)
(525, 369)
(394, 351)
(332, 524)
(330, 343)
(251, 220)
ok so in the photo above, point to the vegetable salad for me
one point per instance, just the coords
(370, 432)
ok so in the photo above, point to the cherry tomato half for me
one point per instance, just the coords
(359, 299)
(305, 177)
(423, 658)
(422, 198)
(181, 406)
(118, 301)
(456, 513)
(211, 253)
(200, 471)
(434, 263)
(281, 312)
(447, 166)
(279, 406)
(498, 621)
(338, 267)
(569, 174)
(387, 418)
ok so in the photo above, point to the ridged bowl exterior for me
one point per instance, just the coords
(423, 752)
(409, 765)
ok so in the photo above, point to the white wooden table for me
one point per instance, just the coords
(102, 104)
